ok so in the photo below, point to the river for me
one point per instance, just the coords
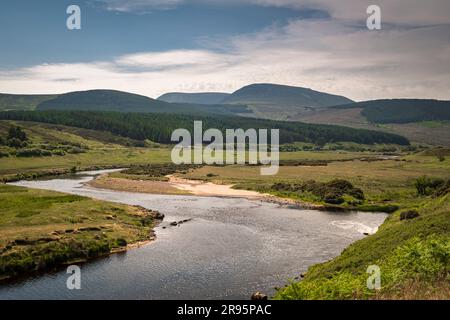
(232, 248)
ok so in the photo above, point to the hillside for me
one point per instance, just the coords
(421, 121)
(118, 101)
(382, 117)
(412, 254)
(102, 100)
(159, 127)
(402, 110)
(196, 98)
(22, 101)
(280, 95)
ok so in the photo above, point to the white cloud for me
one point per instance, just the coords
(138, 5)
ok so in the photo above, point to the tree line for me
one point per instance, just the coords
(159, 127)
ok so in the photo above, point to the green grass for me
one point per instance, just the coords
(434, 124)
(107, 156)
(408, 252)
(22, 101)
(102, 149)
(42, 229)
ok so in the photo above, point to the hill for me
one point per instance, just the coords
(402, 110)
(22, 101)
(118, 101)
(197, 98)
(102, 100)
(280, 95)
(159, 127)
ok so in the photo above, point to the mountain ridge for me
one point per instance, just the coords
(275, 94)
(198, 97)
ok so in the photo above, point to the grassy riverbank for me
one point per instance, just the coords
(413, 256)
(42, 229)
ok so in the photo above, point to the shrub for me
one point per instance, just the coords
(357, 193)
(58, 152)
(331, 192)
(408, 215)
(16, 133)
(443, 189)
(121, 242)
(75, 150)
(25, 153)
(4, 154)
(16, 143)
(426, 186)
(333, 197)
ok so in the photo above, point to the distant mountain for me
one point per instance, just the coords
(197, 98)
(402, 110)
(102, 100)
(22, 101)
(111, 100)
(279, 95)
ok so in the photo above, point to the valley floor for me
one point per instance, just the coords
(40, 229)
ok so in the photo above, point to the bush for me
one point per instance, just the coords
(58, 152)
(443, 189)
(121, 242)
(25, 153)
(16, 133)
(408, 215)
(75, 150)
(4, 154)
(331, 192)
(333, 197)
(425, 186)
(16, 143)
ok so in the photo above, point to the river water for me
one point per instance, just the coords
(232, 248)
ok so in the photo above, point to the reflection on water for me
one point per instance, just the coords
(232, 248)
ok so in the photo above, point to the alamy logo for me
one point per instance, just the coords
(231, 151)
(74, 20)
(374, 280)
(374, 19)
(74, 281)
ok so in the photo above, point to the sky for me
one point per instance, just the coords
(151, 47)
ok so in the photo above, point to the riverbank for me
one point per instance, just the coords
(42, 230)
(175, 185)
(411, 250)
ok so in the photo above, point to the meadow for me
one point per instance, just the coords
(41, 230)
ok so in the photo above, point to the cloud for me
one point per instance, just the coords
(175, 59)
(325, 54)
(139, 5)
